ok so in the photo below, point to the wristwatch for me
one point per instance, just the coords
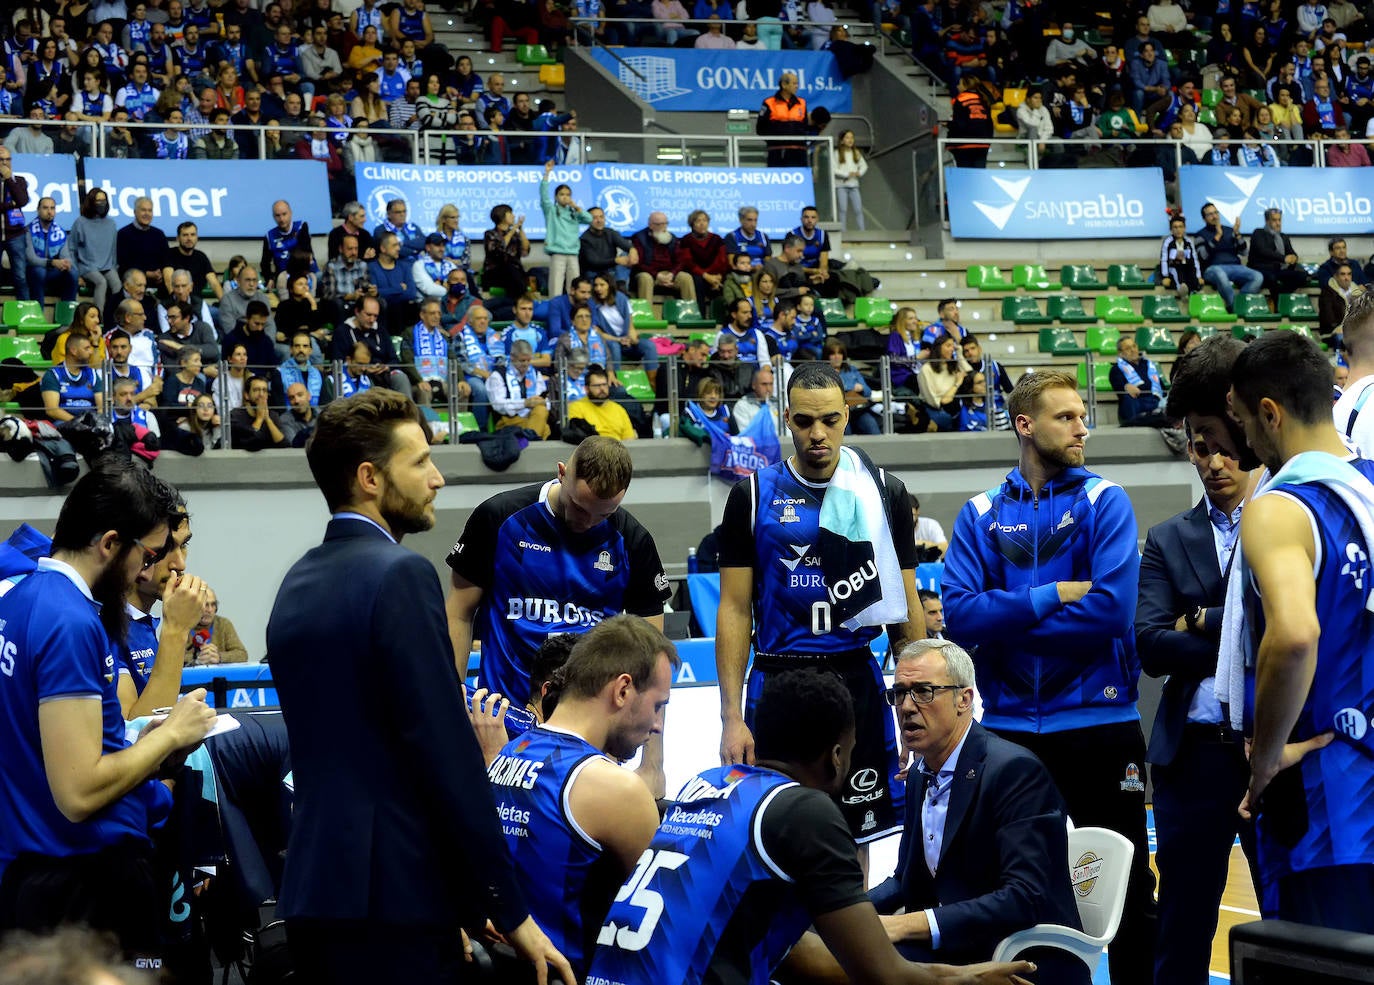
(1191, 619)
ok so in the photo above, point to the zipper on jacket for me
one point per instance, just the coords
(1035, 580)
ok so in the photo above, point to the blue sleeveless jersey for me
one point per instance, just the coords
(569, 881)
(1337, 783)
(669, 918)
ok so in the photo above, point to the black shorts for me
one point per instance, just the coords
(872, 801)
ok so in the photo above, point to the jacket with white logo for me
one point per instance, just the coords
(1043, 666)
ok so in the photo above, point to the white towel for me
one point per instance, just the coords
(853, 511)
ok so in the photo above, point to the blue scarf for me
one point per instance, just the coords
(457, 250)
(311, 378)
(575, 389)
(497, 345)
(47, 244)
(475, 353)
(1133, 377)
(595, 346)
(354, 384)
(431, 353)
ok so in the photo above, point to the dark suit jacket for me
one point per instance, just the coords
(1004, 862)
(1178, 572)
(1267, 250)
(394, 818)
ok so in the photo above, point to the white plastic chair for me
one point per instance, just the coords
(1099, 866)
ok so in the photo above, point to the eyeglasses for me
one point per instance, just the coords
(922, 694)
(151, 556)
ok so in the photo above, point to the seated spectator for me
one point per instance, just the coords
(734, 373)
(858, 395)
(748, 238)
(809, 328)
(49, 256)
(424, 357)
(668, 22)
(1243, 101)
(354, 218)
(1179, 270)
(214, 639)
(759, 400)
(300, 312)
(255, 334)
(763, 297)
(297, 368)
(1174, 105)
(287, 235)
(1149, 78)
(940, 379)
(1222, 252)
(1033, 120)
(140, 245)
(227, 388)
(134, 425)
(975, 409)
(739, 283)
(505, 246)
(409, 235)
(254, 426)
(790, 277)
(85, 321)
(364, 326)
(357, 370)
(778, 332)
(1256, 57)
(72, 387)
(816, 254)
(605, 251)
(903, 351)
(597, 408)
(1343, 153)
(709, 397)
(1322, 113)
(996, 380)
(233, 306)
(132, 317)
(1003, 864)
(186, 270)
(477, 360)
(518, 391)
(582, 335)
(393, 280)
(181, 389)
(964, 52)
(430, 270)
(701, 255)
(1139, 389)
(747, 340)
(948, 326)
(1273, 257)
(658, 270)
(558, 315)
(1068, 48)
(1252, 153)
(185, 331)
(316, 145)
(715, 37)
(692, 368)
(1337, 254)
(298, 422)
(1335, 293)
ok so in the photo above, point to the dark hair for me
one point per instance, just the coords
(498, 212)
(925, 594)
(1202, 377)
(88, 203)
(813, 376)
(116, 494)
(1188, 335)
(553, 654)
(622, 644)
(596, 369)
(801, 715)
(1288, 369)
(256, 307)
(358, 429)
(604, 464)
(791, 240)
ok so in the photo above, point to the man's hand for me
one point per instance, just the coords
(1072, 591)
(736, 742)
(990, 973)
(1261, 774)
(487, 712)
(183, 600)
(464, 389)
(207, 655)
(664, 277)
(1132, 390)
(190, 720)
(534, 946)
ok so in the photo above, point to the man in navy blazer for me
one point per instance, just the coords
(984, 851)
(395, 843)
(1197, 763)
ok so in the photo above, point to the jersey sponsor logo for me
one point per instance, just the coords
(8, 653)
(1356, 565)
(705, 817)
(1085, 873)
(511, 771)
(870, 822)
(603, 562)
(552, 611)
(1009, 528)
(855, 582)
(787, 501)
(1109, 693)
(698, 789)
(661, 582)
(789, 515)
(790, 563)
(457, 548)
(515, 821)
(864, 780)
(526, 545)
(1351, 722)
(1066, 520)
(1132, 783)
(109, 668)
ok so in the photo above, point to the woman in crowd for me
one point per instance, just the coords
(904, 351)
(850, 167)
(466, 84)
(940, 379)
(299, 311)
(368, 104)
(1196, 136)
(764, 299)
(366, 56)
(228, 92)
(227, 387)
(85, 321)
(92, 242)
(505, 245)
(436, 111)
(171, 144)
(612, 318)
(201, 428)
(858, 396)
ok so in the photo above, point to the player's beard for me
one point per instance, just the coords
(404, 516)
(111, 590)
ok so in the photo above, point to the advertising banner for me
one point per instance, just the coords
(1074, 203)
(50, 176)
(1314, 201)
(691, 80)
(225, 199)
(628, 193)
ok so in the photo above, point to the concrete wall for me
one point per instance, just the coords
(254, 514)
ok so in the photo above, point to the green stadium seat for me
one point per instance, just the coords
(685, 315)
(534, 54)
(1211, 98)
(874, 312)
(987, 277)
(1296, 306)
(26, 317)
(1311, 270)
(636, 383)
(1207, 116)
(1080, 277)
(1116, 309)
(1127, 276)
(1103, 339)
(1060, 342)
(1254, 307)
(464, 420)
(1155, 339)
(25, 350)
(1023, 310)
(1209, 307)
(1206, 331)
(1304, 330)
(1032, 277)
(1102, 377)
(1068, 310)
(642, 313)
(1162, 308)
(833, 311)
(1246, 331)
(64, 312)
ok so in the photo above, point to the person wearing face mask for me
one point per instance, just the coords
(92, 242)
(1069, 49)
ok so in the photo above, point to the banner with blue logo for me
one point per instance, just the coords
(692, 80)
(51, 176)
(225, 199)
(628, 193)
(1314, 201)
(1074, 203)
(738, 456)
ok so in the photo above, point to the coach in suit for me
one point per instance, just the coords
(984, 851)
(1198, 765)
(396, 842)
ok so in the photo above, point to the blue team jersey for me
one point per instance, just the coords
(1334, 810)
(139, 649)
(538, 578)
(53, 647)
(708, 902)
(532, 779)
(772, 524)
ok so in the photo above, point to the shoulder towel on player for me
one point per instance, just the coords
(1356, 492)
(858, 559)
